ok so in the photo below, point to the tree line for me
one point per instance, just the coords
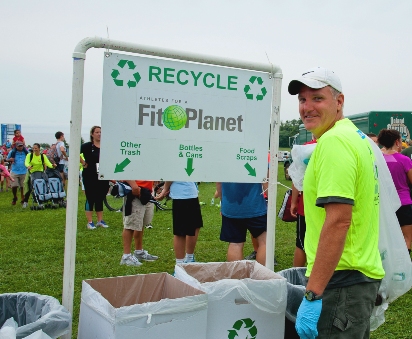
(287, 129)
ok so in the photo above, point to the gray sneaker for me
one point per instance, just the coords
(145, 256)
(251, 256)
(130, 260)
(25, 204)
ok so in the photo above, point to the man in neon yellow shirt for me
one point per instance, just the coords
(35, 162)
(342, 216)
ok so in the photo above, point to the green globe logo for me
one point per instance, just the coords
(174, 117)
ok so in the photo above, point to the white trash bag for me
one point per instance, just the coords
(300, 156)
(394, 253)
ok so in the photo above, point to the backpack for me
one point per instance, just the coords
(53, 155)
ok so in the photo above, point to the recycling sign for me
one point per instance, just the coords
(247, 88)
(247, 324)
(115, 74)
(206, 122)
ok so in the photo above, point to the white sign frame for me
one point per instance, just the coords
(79, 57)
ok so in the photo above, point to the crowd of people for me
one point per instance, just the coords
(18, 161)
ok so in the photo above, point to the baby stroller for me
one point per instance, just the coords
(56, 188)
(40, 191)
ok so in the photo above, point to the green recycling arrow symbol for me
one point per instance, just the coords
(247, 88)
(120, 167)
(248, 324)
(115, 73)
(189, 168)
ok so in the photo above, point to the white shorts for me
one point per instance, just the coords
(141, 215)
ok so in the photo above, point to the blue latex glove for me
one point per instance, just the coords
(307, 318)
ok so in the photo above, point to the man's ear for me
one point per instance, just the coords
(340, 99)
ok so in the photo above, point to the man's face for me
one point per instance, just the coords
(62, 137)
(319, 110)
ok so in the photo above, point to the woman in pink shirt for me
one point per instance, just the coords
(400, 167)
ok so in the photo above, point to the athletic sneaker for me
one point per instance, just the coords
(101, 223)
(13, 202)
(25, 204)
(90, 226)
(145, 256)
(189, 260)
(251, 256)
(130, 260)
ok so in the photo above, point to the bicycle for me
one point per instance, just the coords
(115, 203)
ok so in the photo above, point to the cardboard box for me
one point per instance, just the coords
(246, 300)
(148, 306)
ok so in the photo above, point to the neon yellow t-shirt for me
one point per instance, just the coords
(342, 169)
(81, 166)
(37, 163)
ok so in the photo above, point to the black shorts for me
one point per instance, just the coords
(404, 214)
(300, 232)
(60, 167)
(234, 230)
(186, 216)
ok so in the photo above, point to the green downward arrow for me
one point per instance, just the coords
(251, 170)
(120, 167)
(189, 170)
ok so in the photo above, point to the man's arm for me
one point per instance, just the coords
(165, 190)
(219, 189)
(294, 201)
(63, 152)
(9, 158)
(135, 188)
(331, 244)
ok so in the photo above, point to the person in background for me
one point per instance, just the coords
(341, 199)
(187, 218)
(94, 188)
(400, 167)
(136, 214)
(408, 151)
(243, 209)
(17, 137)
(373, 137)
(17, 158)
(297, 210)
(61, 152)
(35, 162)
(4, 174)
(404, 143)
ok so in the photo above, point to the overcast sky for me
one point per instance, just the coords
(367, 43)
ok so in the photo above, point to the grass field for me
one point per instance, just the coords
(32, 249)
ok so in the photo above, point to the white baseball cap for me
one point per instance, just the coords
(316, 77)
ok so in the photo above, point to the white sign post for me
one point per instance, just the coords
(220, 82)
(181, 121)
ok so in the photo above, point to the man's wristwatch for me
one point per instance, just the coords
(312, 296)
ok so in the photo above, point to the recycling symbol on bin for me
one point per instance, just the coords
(115, 73)
(247, 89)
(243, 323)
